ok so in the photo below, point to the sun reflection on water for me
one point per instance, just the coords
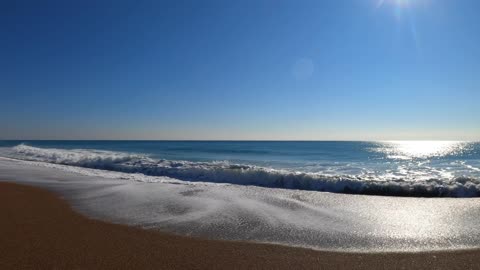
(421, 149)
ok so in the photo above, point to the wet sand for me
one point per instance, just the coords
(39, 230)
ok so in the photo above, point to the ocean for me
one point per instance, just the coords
(397, 168)
(347, 196)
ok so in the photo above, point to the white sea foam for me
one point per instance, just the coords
(317, 220)
(140, 167)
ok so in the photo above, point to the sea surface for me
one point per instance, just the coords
(344, 196)
(397, 168)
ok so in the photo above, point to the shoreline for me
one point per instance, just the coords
(41, 231)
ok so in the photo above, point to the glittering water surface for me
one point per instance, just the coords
(423, 149)
(397, 168)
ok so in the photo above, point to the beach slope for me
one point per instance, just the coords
(38, 230)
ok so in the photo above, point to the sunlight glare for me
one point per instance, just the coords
(421, 149)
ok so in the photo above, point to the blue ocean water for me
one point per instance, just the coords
(404, 168)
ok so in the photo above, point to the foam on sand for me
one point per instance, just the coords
(317, 220)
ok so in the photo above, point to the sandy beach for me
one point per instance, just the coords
(40, 231)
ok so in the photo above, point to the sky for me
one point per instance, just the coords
(240, 70)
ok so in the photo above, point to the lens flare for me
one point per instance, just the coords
(403, 11)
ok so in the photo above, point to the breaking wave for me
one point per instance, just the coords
(225, 172)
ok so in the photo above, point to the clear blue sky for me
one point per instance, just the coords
(356, 69)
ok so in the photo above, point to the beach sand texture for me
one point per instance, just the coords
(40, 231)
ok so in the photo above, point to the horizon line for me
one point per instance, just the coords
(243, 140)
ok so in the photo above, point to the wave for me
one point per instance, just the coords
(224, 172)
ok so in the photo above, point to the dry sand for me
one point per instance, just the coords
(38, 230)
